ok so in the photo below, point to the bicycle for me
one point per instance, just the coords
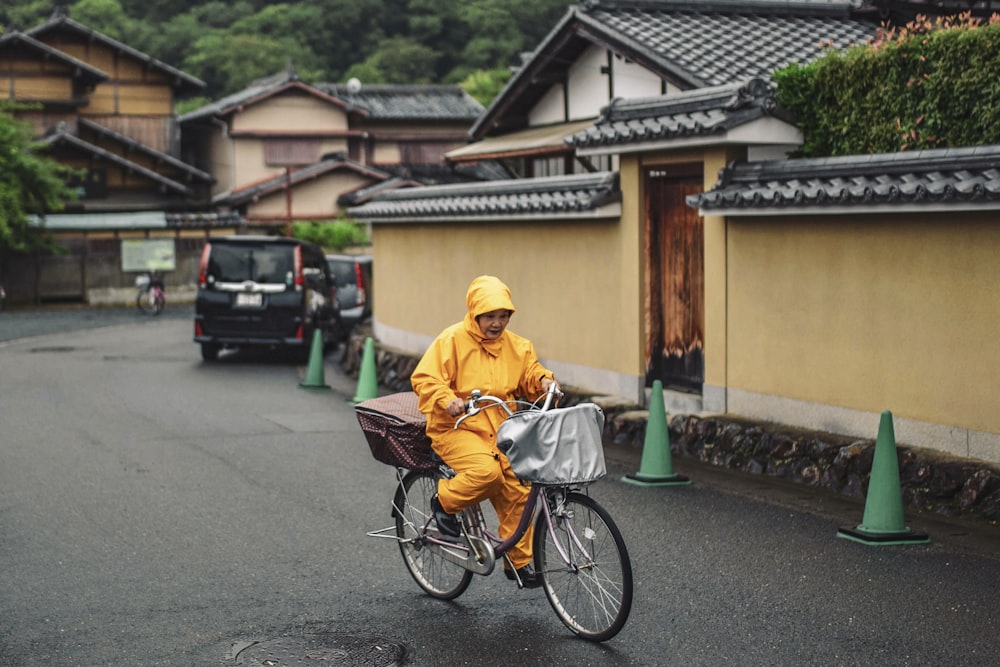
(151, 297)
(578, 549)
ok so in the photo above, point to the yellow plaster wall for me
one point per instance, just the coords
(281, 114)
(894, 312)
(248, 163)
(570, 282)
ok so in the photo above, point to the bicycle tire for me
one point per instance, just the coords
(144, 301)
(592, 594)
(438, 577)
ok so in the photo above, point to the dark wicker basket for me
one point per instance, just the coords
(395, 430)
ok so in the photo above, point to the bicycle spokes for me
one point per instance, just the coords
(587, 572)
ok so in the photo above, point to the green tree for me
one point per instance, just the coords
(485, 85)
(24, 15)
(104, 16)
(171, 40)
(229, 62)
(31, 183)
(399, 60)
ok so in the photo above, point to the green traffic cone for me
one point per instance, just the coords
(883, 522)
(367, 380)
(315, 379)
(656, 468)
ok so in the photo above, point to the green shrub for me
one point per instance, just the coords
(931, 84)
(332, 235)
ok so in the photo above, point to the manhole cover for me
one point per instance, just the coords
(323, 649)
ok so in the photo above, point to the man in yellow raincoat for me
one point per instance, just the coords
(479, 353)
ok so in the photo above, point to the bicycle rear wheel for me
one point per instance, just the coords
(412, 508)
(585, 566)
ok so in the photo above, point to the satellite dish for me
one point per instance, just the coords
(353, 85)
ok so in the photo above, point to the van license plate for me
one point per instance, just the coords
(248, 299)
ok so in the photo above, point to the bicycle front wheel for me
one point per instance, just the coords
(144, 300)
(412, 507)
(585, 566)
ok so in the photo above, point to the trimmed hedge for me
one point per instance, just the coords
(931, 84)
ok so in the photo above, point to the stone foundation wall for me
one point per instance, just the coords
(930, 481)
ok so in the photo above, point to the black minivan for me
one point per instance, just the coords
(264, 291)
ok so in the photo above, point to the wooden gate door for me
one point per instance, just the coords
(675, 295)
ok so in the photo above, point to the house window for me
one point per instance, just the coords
(290, 152)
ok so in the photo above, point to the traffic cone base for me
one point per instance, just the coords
(882, 523)
(367, 378)
(863, 536)
(315, 378)
(644, 480)
(656, 467)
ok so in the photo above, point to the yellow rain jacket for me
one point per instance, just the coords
(460, 360)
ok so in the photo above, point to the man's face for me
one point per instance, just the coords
(493, 323)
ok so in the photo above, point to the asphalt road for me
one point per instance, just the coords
(156, 510)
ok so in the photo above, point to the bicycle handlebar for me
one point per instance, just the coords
(472, 406)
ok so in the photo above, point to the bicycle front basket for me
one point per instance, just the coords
(555, 447)
(395, 430)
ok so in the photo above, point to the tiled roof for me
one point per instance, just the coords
(945, 179)
(368, 192)
(130, 144)
(379, 102)
(687, 43)
(712, 43)
(277, 183)
(88, 72)
(257, 90)
(699, 112)
(553, 197)
(63, 137)
(403, 102)
(61, 22)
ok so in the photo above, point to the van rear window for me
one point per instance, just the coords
(343, 272)
(261, 263)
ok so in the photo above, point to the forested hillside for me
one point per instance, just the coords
(228, 44)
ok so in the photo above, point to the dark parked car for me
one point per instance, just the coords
(353, 274)
(264, 291)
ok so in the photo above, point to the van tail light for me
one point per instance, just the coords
(299, 333)
(197, 328)
(359, 278)
(299, 278)
(203, 266)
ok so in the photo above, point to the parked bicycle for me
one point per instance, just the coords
(578, 549)
(151, 297)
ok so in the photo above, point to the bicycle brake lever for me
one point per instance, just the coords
(469, 412)
(471, 407)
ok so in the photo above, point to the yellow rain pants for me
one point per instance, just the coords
(458, 361)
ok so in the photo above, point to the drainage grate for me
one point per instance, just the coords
(323, 649)
(53, 348)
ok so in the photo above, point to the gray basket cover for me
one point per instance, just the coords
(555, 447)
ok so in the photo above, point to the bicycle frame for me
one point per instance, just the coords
(480, 548)
(578, 551)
